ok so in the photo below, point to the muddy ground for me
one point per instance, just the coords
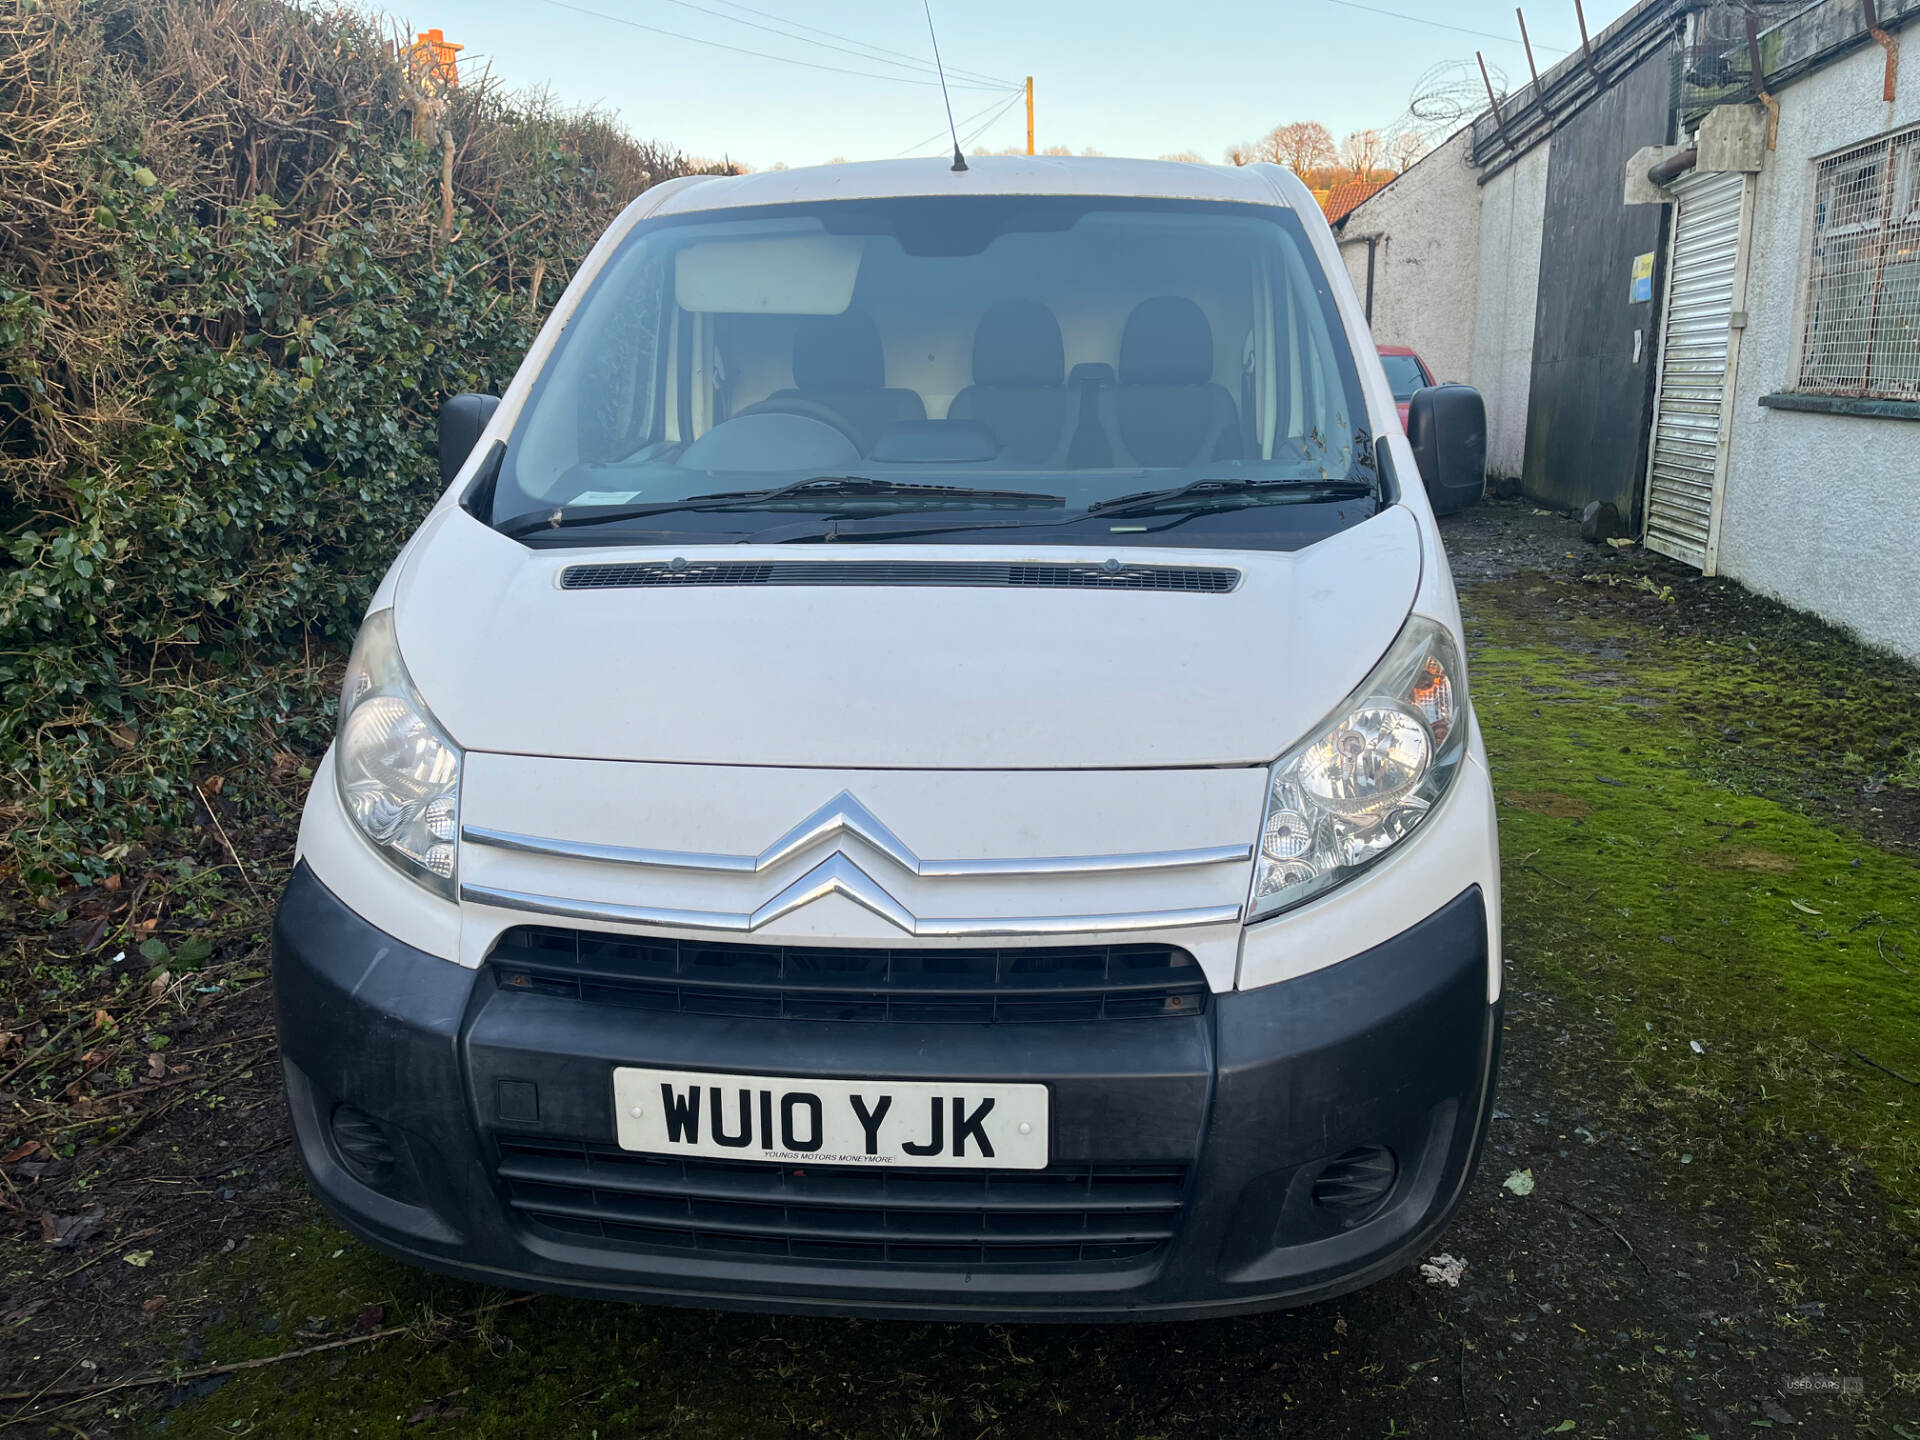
(1696, 1215)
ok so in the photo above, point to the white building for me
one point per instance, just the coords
(1728, 351)
(1413, 251)
(1817, 500)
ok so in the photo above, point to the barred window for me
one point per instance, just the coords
(1862, 307)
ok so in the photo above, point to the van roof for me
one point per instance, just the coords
(993, 175)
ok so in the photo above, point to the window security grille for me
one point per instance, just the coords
(1862, 335)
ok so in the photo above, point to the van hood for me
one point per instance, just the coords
(890, 676)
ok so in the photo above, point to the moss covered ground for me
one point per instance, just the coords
(1675, 865)
(1712, 910)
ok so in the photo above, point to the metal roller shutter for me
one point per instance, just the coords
(1687, 463)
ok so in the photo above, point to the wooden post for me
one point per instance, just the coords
(1029, 114)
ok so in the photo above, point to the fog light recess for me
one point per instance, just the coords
(1351, 1186)
(362, 1145)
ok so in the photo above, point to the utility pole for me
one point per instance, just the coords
(1029, 114)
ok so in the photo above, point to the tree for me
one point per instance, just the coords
(1300, 145)
(1186, 157)
(1404, 149)
(1362, 151)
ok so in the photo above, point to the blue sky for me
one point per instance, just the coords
(1127, 77)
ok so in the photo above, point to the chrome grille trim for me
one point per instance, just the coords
(836, 875)
(844, 815)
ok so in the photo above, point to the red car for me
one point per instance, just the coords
(1406, 373)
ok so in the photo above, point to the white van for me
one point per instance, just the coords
(922, 766)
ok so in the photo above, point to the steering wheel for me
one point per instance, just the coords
(807, 410)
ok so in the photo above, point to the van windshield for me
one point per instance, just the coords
(1084, 367)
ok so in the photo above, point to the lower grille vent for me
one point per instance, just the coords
(1032, 985)
(1104, 575)
(1074, 1215)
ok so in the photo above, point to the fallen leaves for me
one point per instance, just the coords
(138, 1258)
(1520, 1182)
(23, 1312)
(63, 1231)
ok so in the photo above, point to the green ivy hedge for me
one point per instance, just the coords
(228, 315)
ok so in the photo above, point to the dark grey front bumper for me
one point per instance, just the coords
(1394, 1048)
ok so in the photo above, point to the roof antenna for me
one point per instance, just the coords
(959, 160)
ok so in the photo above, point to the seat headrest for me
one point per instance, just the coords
(1167, 341)
(838, 352)
(1018, 343)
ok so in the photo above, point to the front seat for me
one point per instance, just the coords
(1166, 410)
(1019, 383)
(838, 363)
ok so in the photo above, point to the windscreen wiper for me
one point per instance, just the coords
(842, 532)
(860, 486)
(823, 486)
(1207, 492)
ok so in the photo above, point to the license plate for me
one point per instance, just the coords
(920, 1123)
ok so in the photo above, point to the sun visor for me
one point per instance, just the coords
(809, 274)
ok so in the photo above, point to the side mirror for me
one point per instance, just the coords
(1447, 427)
(462, 418)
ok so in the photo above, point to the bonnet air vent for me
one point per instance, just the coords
(1102, 575)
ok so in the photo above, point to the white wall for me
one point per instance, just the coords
(1821, 511)
(1426, 273)
(1513, 210)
